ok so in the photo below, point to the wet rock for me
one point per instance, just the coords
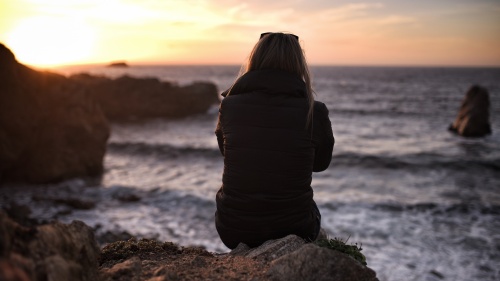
(50, 127)
(311, 262)
(473, 119)
(20, 213)
(76, 203)
(54, 251)
(437, 274)
(128, 99)
(127, 197)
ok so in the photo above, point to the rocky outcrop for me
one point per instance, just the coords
(271, 249)
(59, 251)
(127, 98)
(311, 262)
(54, 251)
(290, 259)
(50, 128)
(473, 119)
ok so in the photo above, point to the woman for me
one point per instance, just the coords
(272, 135)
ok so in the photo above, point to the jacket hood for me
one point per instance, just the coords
(268, 81)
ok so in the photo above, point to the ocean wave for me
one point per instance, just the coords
(149, 149)
(431, 208)
(415, 161)
(346, 159)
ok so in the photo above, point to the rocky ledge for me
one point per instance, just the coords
(59, 251)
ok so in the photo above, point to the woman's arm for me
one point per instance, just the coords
(218, 133)
(322, 137)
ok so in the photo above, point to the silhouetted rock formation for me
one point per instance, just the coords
(473, 119)
(50, 129)
(118, 64)
(53, 251)
(127, 98)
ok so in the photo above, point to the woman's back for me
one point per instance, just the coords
(270, 147)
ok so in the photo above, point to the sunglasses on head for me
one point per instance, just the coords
(266, 33)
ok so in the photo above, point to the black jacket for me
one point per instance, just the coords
(269, 156)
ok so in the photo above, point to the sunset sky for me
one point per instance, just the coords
(333, 32)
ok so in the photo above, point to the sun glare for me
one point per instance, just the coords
(43, 41)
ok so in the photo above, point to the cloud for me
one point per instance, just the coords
(395, 19)
(348, 12)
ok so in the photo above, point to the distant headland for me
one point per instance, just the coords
(118, 64)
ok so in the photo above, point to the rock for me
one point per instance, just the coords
(49, 252)
(50, 128)
(128, 99)
(271, 249)
(473, 119)
(118, 64)
(59, 251)
(129, 270)
(110, 237)
(126, 196)
(11, 272)
(73, 202)
(311, 262)
(20, 214)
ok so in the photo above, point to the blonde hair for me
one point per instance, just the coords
(281, 51)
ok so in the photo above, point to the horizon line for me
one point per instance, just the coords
(142, 64)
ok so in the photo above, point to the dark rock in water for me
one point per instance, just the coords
(50, 128)
(128, 99)
(126, 196)
(118, 64)
(49, 252)
(75, 203)
(473, 119)
(20, 214)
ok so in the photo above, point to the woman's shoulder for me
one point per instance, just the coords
(320, 107)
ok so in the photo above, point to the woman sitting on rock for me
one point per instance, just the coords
(273, 135)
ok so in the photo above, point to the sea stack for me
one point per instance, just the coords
(50, 128)
(473, 119)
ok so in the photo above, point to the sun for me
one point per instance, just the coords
(44, 41)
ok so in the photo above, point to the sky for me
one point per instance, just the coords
(332, 32)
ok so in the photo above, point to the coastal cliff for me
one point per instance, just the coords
(54, 127)
(50, 128)
(129, 99)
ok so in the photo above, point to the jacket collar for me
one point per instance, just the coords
(268, 81)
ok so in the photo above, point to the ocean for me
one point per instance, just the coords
(423, 203)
